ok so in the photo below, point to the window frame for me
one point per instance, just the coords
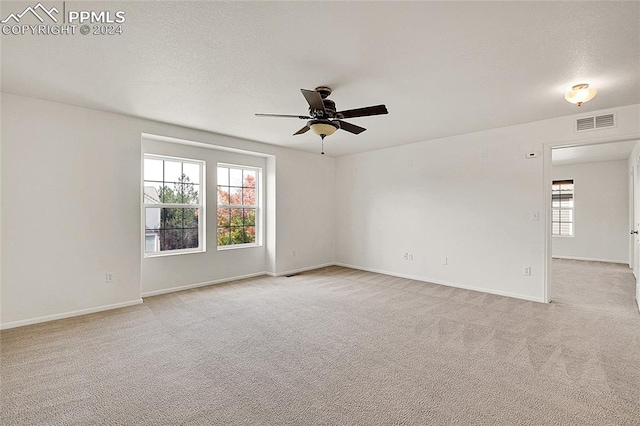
(572, 209)
(201, 207)
(258, 206)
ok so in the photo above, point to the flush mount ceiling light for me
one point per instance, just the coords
(580, 93)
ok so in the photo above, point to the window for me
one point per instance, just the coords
(562, 208)
(237, 205)
(173, 204)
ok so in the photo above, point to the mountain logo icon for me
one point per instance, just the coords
(34, 11)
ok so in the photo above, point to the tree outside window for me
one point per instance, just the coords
(237, 205)
(173, 205)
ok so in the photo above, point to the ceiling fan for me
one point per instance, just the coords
(323, 118)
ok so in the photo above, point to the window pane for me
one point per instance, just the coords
(190, 238)
(192, 172)
(151, 243)
(249, 217)
(555, 215)
(172, 218)
(152, 218)
(249, 178)
(223, 195)
(223, 176)
(152, 169)
(170, 194)
(235, 177)
(170, 239)
(249, 196)
(172, 171)
(190, 193)
(190, 218)
(236, 217)
(223, 236)
(555, 229)
(566, 187)
(237, 235)
(566, 228)
(566, 215)
(250, 234)
(223, 217)
(151, 193)
(235, 196)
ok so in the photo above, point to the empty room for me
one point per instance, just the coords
(331, 213)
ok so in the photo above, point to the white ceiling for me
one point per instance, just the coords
(592, 153)
(442, 68)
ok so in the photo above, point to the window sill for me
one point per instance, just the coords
(237, 246)
(173, 253)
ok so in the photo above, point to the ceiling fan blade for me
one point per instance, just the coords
(314, 99)
(303, 117)
(305, 129)
(363, 112)
(351, 128)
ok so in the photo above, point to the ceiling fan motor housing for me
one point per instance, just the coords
(329, 107)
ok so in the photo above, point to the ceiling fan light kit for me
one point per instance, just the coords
(580, 93)
(323, 118)
(322, 128)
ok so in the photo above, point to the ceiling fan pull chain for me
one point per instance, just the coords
(322, 138)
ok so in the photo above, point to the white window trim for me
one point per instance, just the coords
(258, 207)
(202, 223)
(573, 213)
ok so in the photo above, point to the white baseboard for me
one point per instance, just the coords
(202, 284)
(297, 271)
(590, 259)
(77, 313)
(448, 284)
(272, 274)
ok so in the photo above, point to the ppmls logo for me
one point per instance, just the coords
(43, 20)
(33, 11)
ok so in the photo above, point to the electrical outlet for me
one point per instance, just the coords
(411, 257)
(443, 261)
(526, 271)
(110, 277)
(405, 256)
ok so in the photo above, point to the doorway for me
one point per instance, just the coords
(592, 255)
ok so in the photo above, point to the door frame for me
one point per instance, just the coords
(546, 182)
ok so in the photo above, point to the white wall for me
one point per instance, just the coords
(71, 209)
(468, 198)
(601, 212)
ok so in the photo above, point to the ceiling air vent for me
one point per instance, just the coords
(587, 123)
(596, 122)
(607, 120)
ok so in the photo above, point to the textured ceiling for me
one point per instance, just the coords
(442, 68)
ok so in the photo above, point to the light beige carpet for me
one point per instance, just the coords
(341, 347)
